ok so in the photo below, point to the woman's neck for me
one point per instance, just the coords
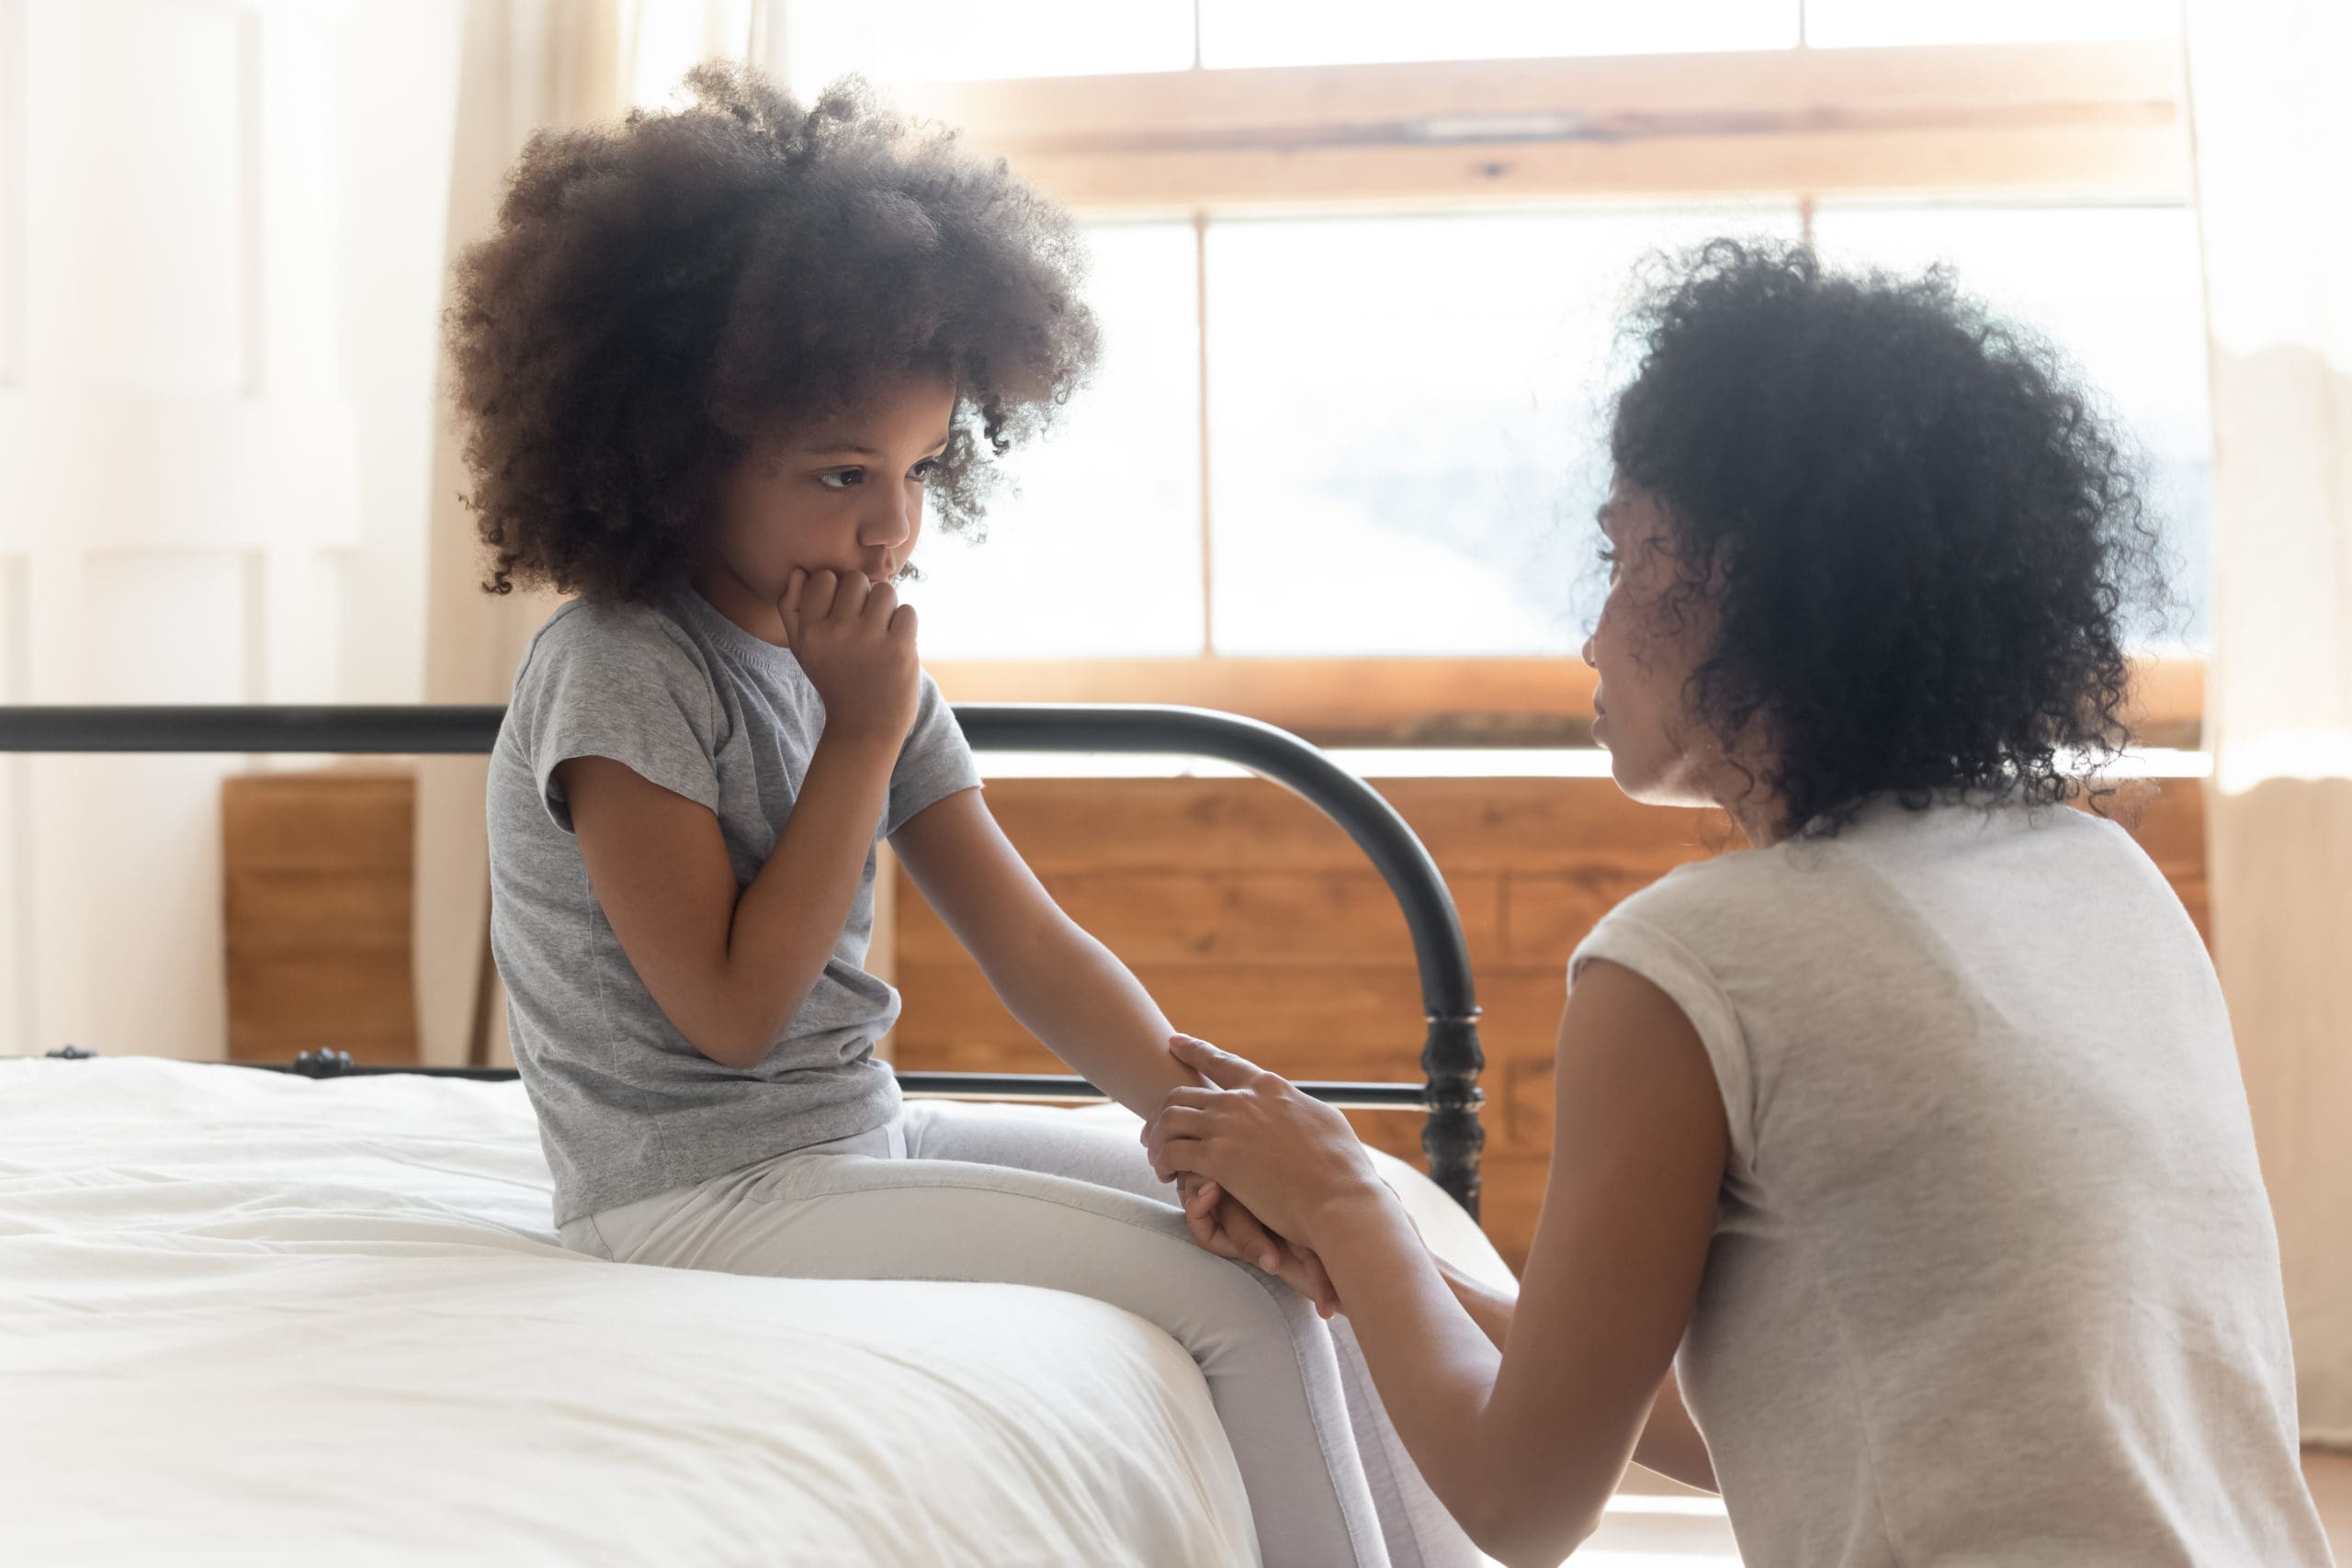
(1758, 817)
(1738, 788)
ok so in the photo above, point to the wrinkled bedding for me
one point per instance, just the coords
(246, 1317)
(249, 1318)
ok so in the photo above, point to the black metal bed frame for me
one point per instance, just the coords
(1451, 1060)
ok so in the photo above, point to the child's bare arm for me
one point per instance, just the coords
(731, 971)
(1070, 992)
(1066, 988)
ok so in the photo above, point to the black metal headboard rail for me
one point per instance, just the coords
(1452, 1137)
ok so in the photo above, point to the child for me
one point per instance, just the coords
(714, 365)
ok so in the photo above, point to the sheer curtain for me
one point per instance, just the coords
(2272, 146)
(528, 65)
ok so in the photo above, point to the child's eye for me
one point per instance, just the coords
(1609, 557)
(923, 472)
(842, 479)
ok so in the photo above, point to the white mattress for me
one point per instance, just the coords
(249, 1318)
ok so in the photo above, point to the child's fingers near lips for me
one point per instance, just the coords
(817, 593)
(789, 606)
(850, 591)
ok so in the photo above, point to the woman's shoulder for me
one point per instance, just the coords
(1687, 920)
(1836, 885)
(1724, 884)
(1777, 896)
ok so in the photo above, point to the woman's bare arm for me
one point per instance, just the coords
(1670, 1442)
(1526, 1446)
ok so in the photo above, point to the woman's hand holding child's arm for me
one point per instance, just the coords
(1298, 1158)
(1220, 1224)
(1475, 1390)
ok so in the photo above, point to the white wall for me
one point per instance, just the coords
(220, 245)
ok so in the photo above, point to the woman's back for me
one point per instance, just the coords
(1994, 1276)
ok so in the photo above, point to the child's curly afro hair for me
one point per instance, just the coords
(662, 292)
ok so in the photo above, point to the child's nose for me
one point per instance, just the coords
(888, 523)
(1587, 654)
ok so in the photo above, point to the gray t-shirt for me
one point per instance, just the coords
(1993, 1278)
(692, 701)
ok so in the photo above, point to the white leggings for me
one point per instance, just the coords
(1031, 1196)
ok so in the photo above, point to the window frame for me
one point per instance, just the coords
(2073, 123)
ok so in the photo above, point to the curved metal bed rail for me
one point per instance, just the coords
(1452, 1136)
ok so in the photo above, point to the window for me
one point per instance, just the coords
(1406, 417)
(1403, 417)
(1357, 269)
(1093, 544)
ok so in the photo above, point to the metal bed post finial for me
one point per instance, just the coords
(1452, 1137)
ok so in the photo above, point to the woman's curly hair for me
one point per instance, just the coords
(662, 292)
(1925, 533)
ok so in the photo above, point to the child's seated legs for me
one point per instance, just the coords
(1417, 1530)
(1271, 1364)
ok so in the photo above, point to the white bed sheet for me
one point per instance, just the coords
(245, 1317)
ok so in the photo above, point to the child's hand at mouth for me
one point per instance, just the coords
(856, 644)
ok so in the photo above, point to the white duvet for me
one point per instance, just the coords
(249, 1318)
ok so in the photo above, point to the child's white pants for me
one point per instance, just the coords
(1029, 1196)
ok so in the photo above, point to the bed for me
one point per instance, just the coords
(318, 1315)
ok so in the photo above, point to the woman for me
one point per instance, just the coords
(1911, 1135)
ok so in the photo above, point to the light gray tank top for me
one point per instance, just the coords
(1993, 1278)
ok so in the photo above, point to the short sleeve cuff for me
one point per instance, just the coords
(653, 763)
(1627, 941)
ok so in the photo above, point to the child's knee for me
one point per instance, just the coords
(1247, 1302)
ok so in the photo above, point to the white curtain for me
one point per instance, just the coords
(2272, 151)
(528, 65)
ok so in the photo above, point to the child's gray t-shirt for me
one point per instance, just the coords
(690, 701)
